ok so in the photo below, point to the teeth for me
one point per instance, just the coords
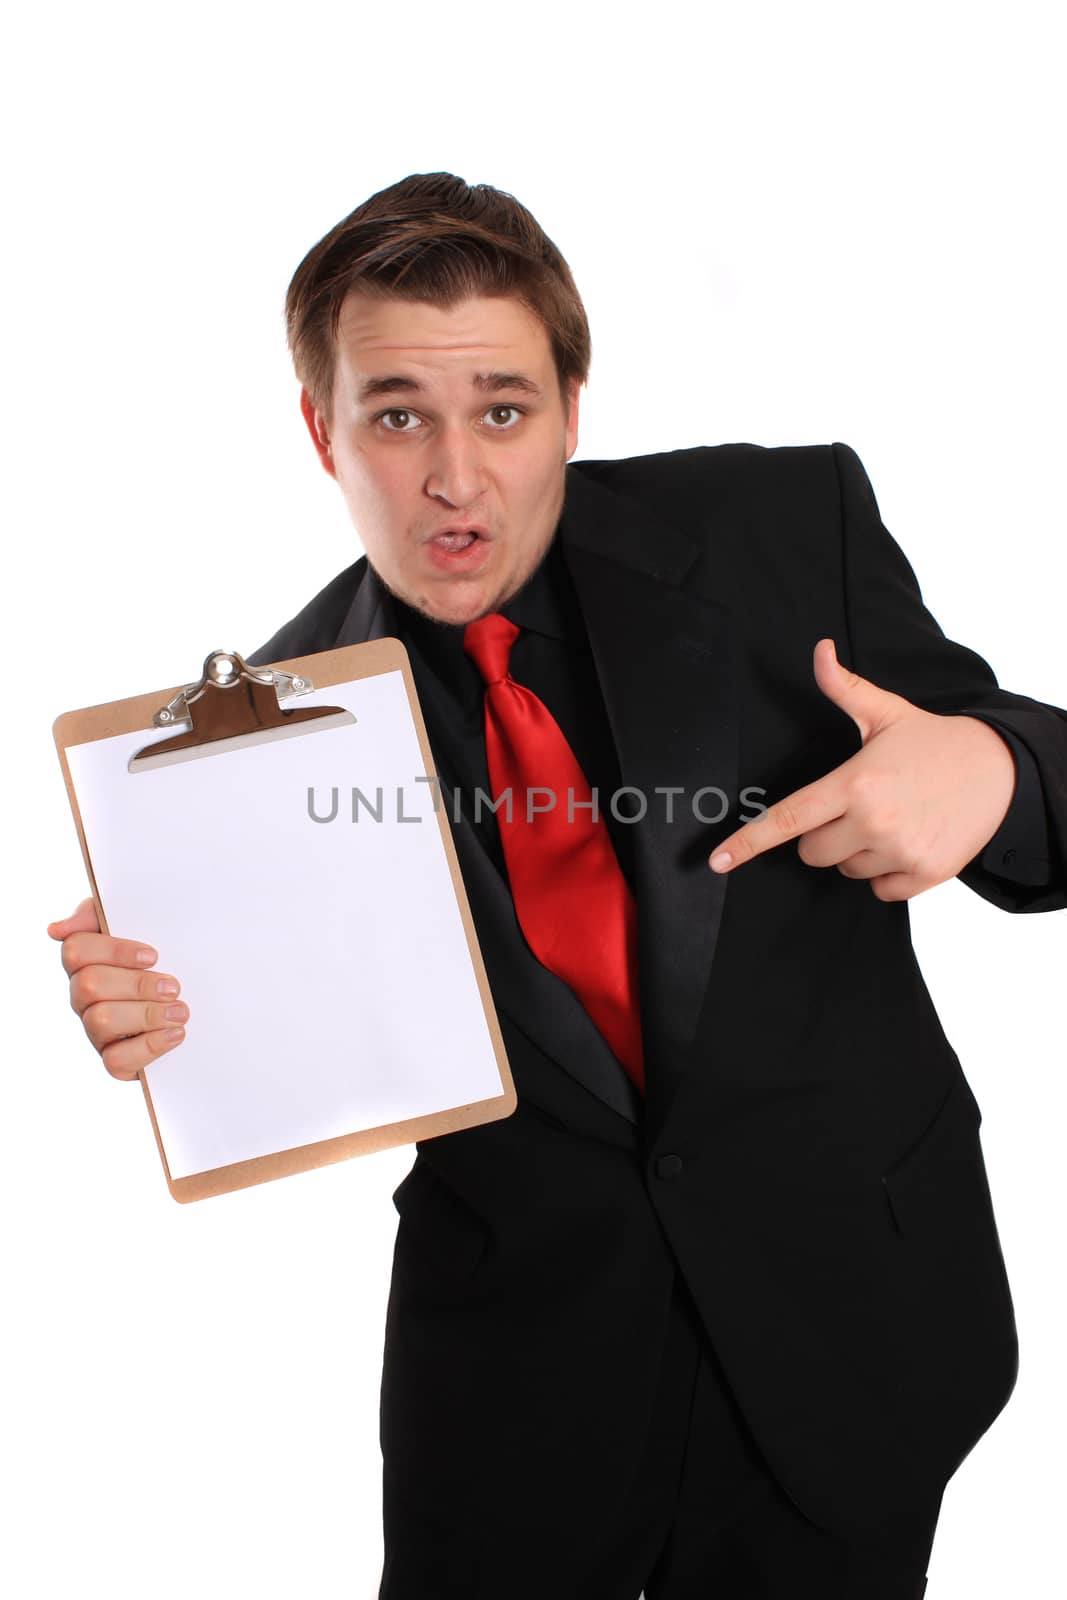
(455, 541)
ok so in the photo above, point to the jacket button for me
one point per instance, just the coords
(668, 1166)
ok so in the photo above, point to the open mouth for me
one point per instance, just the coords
(454, 542)
(459, 550)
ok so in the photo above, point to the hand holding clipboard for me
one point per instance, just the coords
(131, 1014)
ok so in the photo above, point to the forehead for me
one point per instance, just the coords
(371, 331)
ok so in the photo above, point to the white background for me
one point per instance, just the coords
(790, 224)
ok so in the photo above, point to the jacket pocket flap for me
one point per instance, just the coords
(944, 1162)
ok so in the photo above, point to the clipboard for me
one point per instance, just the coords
(246, 826)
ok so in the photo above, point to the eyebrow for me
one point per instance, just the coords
(487, 382)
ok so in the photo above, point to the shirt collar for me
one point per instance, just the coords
(547, 602)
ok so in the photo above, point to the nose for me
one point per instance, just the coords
(456, 473)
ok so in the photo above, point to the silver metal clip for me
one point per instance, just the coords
(223, 668)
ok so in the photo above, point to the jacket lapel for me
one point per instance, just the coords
(667, 662)
(369, 615)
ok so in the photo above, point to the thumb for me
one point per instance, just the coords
(869, 706)
(82, 920)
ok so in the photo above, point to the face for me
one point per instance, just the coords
(448, 436)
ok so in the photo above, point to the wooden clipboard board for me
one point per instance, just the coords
(243, 729)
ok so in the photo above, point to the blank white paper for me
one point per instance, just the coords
(324, 963)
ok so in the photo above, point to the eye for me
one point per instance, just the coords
(382, 416)
(516, 409)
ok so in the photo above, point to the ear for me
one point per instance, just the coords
(573, 391)
(316, 425)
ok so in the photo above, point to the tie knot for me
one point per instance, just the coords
(488, 642)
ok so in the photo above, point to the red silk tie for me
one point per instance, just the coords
(573, 904)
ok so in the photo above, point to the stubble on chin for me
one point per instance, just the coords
(422, 603)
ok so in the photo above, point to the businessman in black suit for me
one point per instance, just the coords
(725, 1320)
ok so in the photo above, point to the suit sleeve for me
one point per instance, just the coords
(894, 641)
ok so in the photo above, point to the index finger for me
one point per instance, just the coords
(804, 809)
(101, 949)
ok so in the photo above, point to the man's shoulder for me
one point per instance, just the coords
(749, 487)
(697, 463)
(735, 476)
(316, 626)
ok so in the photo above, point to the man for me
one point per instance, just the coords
(721, 1307)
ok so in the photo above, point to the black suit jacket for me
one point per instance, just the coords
(808, 1154)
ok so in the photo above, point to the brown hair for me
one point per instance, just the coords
(434, 238)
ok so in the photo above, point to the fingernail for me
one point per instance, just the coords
(720, 862)
(146, 957)
(177, 1013)
(173, 1035)
(166, 987)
